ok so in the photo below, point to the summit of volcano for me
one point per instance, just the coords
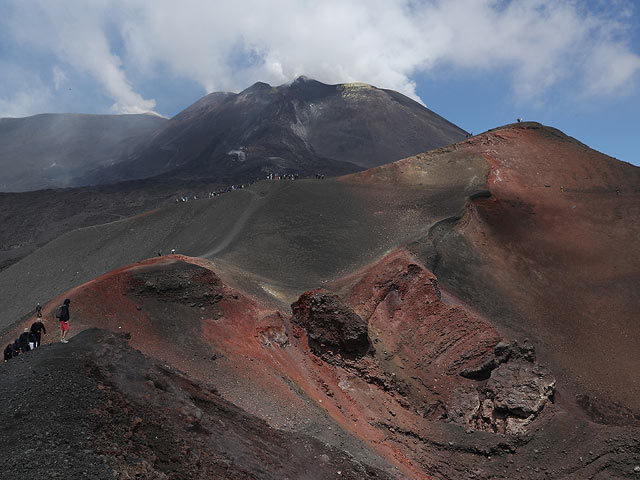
(302, 127)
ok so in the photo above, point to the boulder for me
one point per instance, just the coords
(520, 388)
(332, 326)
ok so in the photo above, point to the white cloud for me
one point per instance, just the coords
(24, 103)
(22, 92)
(537, 44)
(76, 32)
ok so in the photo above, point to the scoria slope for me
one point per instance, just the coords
(385, 375)
(549, 254)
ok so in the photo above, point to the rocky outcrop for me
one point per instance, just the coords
(513, 389)
(332, 326)
(520, 388)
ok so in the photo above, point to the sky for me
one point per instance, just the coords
(574, 65)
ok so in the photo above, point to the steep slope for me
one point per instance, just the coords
(50, 150)
(305, 127)
(550, 254)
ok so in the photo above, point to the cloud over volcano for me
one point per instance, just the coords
(123, 44)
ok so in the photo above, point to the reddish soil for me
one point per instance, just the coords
(555, 238)
(414, 406)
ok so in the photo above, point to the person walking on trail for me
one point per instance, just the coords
(37, 329)
(23, 339)
(38, 311)
(8, 353)
(62, 314)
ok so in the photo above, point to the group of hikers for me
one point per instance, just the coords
(31, 337)
(282, 176)
(231, 188)
(216, 193)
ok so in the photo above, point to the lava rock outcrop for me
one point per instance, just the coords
(514, 394)
(332, 326)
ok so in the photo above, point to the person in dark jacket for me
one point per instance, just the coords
(16, 347)
(24, 339)
(64, 320)
(8, 353)
(37, 329)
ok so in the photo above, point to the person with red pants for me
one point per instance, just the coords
(63, 315)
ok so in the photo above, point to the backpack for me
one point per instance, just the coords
(59, 312)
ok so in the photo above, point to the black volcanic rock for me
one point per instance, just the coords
(305, 127)
(50, 150)
(331, 325)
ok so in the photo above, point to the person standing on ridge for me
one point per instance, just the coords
(62, 314)
(23, 339)
(37, 329)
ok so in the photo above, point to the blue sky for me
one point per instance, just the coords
(571, 64)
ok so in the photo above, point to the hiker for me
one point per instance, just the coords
(15, 347)
(8, 353)
(37, 329)
(62, 314)
(38, 311)
(23, 339)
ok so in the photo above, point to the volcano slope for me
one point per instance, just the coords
(303, 127)
(548, 255)
(105, 411)
(272, 242)
(393, 378)
(32, 219)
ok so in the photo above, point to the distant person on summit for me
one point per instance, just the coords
(62, 314)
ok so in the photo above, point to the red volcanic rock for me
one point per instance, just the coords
(402, 302)
(478, 380)
(331, 326)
